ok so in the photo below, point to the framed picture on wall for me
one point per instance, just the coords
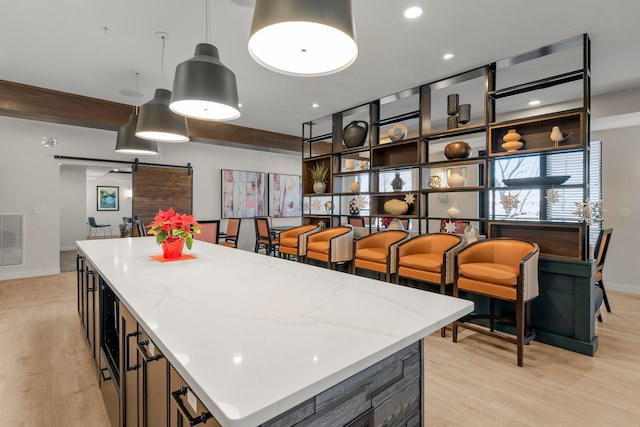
(285, 192)
(108, 198)
(244, 194)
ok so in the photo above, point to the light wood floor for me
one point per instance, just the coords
(46, 376)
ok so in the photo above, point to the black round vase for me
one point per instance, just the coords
(355, 133)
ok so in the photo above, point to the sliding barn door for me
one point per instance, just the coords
(156, 187)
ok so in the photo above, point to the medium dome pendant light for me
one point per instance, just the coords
(203, 88)
(128, 143)
(156, 122)
(303, 37)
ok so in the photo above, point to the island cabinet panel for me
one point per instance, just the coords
(387, 393)
(129, 368)
(152, 383)
(185, 408)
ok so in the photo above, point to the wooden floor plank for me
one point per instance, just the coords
(47, 377)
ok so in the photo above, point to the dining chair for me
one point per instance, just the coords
(264, 238)
(138, 227)
(293, 241)
(94, 226)
(500, 269)
(232, 234)
(377, 252)
(602, 245)
(430, 259)
(208, 231)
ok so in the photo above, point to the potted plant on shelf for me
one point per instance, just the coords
(319, 176)
(172, 231)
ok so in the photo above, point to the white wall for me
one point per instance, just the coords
(72, 205)
(30, 176)
(621, 180)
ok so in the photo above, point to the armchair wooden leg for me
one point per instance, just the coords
(492, 314)
(520, 321)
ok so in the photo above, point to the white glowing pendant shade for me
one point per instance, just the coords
(204, 88)
(303, 37)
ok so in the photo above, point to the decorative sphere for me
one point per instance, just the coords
(457, 150)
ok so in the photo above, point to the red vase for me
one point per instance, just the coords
(172, 248)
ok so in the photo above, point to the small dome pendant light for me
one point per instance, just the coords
(203, 87)
(156, 122)
(128, 143)
(303, 37)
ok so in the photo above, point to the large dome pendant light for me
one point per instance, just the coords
(128, 143)
(303, 37)
(203, 88)
(156, 122)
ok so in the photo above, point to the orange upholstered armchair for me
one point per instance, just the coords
(504, 269)
(377, 252)
(332, 245)
(429, 258)
(293, 242)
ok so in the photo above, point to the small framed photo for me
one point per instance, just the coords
(108, 198)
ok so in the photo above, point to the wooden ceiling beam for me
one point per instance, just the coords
(46, 105)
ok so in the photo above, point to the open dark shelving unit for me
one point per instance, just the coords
(420, 109)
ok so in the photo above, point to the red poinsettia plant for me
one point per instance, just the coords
(170, 226)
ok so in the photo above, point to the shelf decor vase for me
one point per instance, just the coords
(464, 113)
(453, 210)
(395, 224)
(456, 177)
(355, 133)
(319, 187)
(349, 164)
(457, 150)
(512, 141)
(353, 207)
(172, 249)
(397, 183)
(355, 187)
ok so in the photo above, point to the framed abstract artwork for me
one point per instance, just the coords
(285, 195)
(244, 194)
(108, 198)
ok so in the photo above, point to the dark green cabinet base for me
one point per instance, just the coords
(563, 315)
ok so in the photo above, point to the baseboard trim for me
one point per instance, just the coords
(22, 274)
(619, 287)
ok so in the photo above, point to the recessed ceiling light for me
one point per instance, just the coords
(413, 12)
(240, 105)
(534, 102)
(315, 105)
(448, 55)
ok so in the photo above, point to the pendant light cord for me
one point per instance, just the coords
(162, 62)
(135, 109)
(206, 21)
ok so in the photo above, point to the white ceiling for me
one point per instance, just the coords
(91, 48)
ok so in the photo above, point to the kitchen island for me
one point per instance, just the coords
(266, 341)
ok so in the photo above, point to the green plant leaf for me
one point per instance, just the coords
(161, 236)
(189, 242)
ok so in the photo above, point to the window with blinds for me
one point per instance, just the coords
(572, 164)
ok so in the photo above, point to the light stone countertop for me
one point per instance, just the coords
(255, 335)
